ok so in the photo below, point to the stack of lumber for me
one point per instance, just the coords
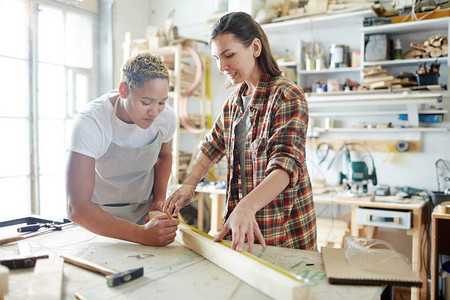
(378, 78)
(187, 77)
(435, 46)
(331, 232)
(185, 160)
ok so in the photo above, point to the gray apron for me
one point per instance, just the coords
(124, 179)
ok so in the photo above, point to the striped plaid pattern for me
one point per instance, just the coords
(279, 117)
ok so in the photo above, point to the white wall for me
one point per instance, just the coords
(411, 169)
(190, 17)
(128, 16)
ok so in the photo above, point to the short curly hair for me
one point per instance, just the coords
(141, 68)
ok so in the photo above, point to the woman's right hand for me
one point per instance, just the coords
(179, 199)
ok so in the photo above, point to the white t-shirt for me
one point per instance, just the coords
(93, 130)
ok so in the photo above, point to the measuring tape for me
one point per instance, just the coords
(267, 264)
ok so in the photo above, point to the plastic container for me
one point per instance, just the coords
(431, 78)
(397, 49)
(439, 197)
(319, 87)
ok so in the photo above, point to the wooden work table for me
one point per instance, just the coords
(440, 244)
(171, 272)
(217, 197)
(417, 231)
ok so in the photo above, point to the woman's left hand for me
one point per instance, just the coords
(242, 223)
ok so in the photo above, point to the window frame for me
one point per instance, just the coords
(32, 9)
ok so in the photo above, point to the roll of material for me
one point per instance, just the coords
(402, 146)
(4, 273)
(444, 207)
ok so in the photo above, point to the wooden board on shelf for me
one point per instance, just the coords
(371, 145)
(343, 196)
(425, 15)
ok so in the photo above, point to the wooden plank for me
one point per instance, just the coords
(47, 280)
(4, 281)
(331, 233)
(216, 207)
(367, 198)
(246, 267)
(371, 145)
(424, 16)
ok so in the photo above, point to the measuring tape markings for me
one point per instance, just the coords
(267, 264)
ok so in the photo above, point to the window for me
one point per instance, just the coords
(47, 71)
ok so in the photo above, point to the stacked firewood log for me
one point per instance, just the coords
(435, 46)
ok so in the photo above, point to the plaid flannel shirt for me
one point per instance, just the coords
(279, 118)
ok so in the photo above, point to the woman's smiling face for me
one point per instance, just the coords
(233, 58)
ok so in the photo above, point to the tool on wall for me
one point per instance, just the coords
(320, 157)
(357, 174)
(113, 277)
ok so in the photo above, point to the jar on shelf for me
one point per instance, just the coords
(339, 56)
(320, 63)
(397, 49)
(310, 63)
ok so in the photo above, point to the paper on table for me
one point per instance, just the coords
(394, 271)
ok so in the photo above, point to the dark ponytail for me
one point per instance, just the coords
(245, 29)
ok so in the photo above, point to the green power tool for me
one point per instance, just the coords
(357, 176)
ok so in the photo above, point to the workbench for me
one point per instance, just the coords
(417, 231)
(171, 272)
(217, 202)
(440, 244)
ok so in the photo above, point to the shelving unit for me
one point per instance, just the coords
(319, 21)
(348, 108)
(405, 62)
(408, 32)
(377, 105)
(184, 141)
(287, 64)
(329, 71)
(301, 32)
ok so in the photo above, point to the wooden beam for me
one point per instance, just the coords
(47, 280)
(371, 145)
(256, 272)
(4, 283)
